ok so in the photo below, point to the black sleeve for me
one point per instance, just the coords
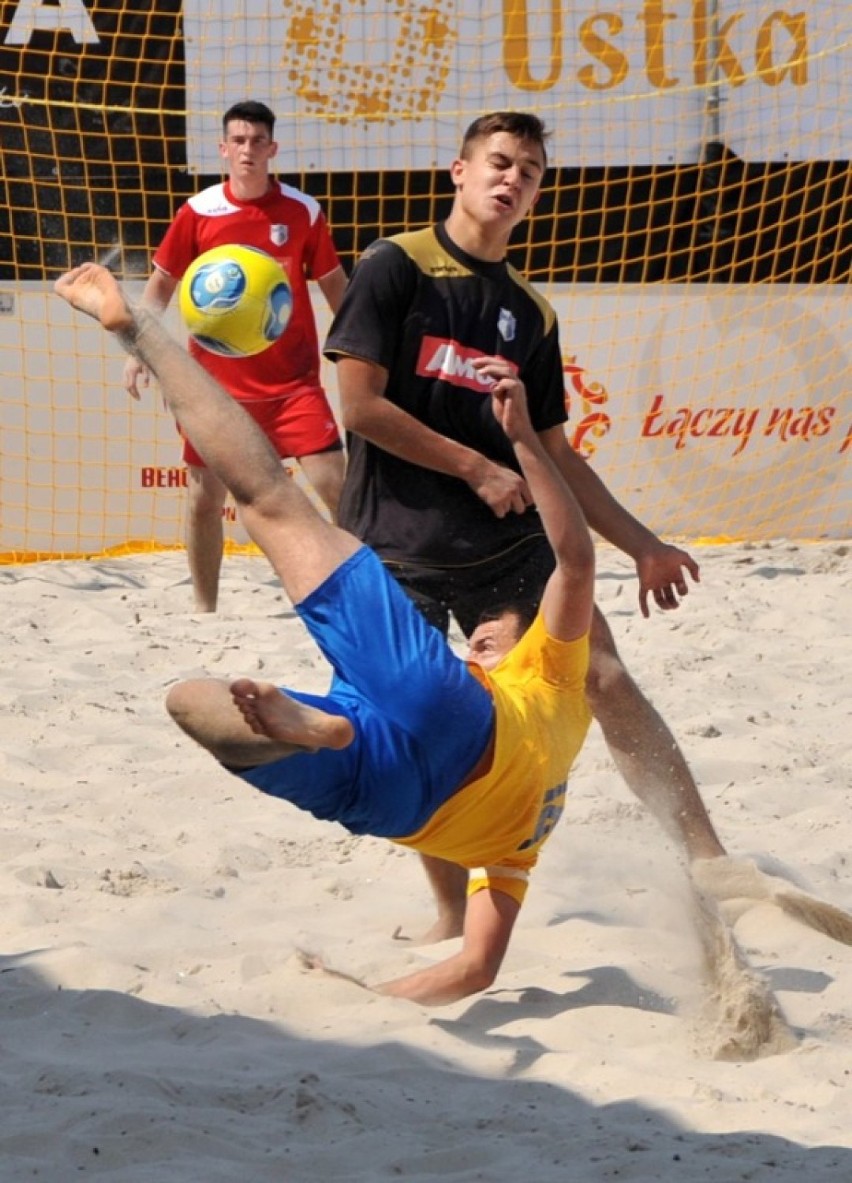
(544, 379)
(369, 322)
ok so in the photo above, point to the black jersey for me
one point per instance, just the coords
(422, 309)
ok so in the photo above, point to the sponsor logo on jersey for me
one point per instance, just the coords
(453, 363)
(279, 234)
(506, 325)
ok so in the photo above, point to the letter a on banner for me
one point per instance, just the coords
(68, 16)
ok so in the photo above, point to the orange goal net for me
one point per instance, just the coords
(693, 232)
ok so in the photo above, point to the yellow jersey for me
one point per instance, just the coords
(496, 825)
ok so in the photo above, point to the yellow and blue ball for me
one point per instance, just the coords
(235, 300)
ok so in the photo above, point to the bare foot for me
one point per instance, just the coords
(92, 289)
(444, 929)
(273, 714)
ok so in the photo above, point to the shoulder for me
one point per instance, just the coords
(386, 248)
(425, 251)
(407, 257)
(209, 202)
(304, 201)
(385, 258)
(537, 653)
(545, 308)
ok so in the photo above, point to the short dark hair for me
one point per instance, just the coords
(249, 111)
(524, 610)
(522, 124)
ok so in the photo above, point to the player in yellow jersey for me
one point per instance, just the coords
(463, 760)
(432, 483)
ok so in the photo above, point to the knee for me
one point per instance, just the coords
(205, 505)
(182, 702)
(206, 494)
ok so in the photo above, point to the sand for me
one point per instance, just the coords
(161, 1021)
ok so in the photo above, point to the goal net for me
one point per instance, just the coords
(693, 232)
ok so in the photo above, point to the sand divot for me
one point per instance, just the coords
(746, 1021)
(743, 1020)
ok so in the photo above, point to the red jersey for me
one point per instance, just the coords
(287, 224)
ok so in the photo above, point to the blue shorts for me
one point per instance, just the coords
(421, 719)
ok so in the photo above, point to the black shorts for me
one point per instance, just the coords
(517, 575)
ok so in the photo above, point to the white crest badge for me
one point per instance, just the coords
(506, 325)
(279, 234)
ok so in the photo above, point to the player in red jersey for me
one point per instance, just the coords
(280, 387)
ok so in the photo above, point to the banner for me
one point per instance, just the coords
(362, 85)
(707, 410)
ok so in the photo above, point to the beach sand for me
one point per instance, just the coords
(161, 1021)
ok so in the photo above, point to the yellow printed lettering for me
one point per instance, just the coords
(796, 66)
(726, 59)
(611, 58)
(517, 53)
(655, 19)
(711, 50)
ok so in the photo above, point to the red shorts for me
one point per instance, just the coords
(297, 425)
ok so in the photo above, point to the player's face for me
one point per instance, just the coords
(491, 641)
(499, 181)
(248, 149)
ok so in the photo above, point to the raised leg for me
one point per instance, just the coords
(249, 723)
(302, 546)
(280, 718)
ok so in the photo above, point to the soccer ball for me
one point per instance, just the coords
(235, 300)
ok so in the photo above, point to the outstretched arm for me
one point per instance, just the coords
(489, 920)
(661, 567)
(569, 595)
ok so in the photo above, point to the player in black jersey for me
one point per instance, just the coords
(433, 488)
(427, 310)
